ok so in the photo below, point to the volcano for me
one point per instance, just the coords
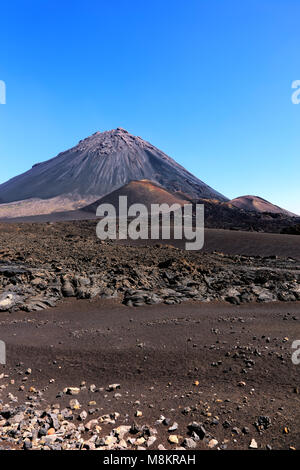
(95, 167)
(258, 204)
(143, 191)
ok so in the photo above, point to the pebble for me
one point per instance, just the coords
(173, 439)
(253, 444)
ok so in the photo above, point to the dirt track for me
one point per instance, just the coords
(245, 243)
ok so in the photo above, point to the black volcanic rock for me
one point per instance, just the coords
(292, 229)
(101, 164)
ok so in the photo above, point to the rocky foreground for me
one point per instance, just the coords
(32, 426)
(42, 264)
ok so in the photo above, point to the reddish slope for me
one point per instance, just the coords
(140, 192)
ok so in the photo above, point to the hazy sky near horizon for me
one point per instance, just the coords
(209, 82)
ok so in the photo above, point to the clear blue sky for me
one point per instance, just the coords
(207, 81)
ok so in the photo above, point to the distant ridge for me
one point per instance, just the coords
(258, 204)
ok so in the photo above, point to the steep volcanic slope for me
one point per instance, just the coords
(143, 191)
(100, 164)
(257, 204)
